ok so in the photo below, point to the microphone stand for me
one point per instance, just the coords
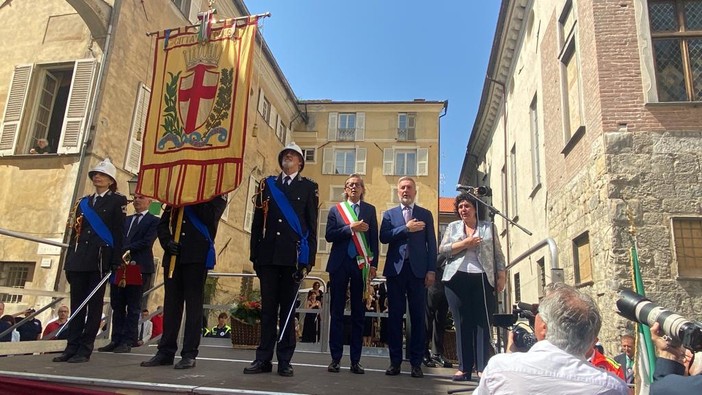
(492, 211)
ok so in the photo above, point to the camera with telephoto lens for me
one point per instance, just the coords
(523, 335)
(640, 309)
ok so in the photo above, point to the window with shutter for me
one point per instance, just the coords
(141, 108)
(332, 128)
(77, 107)
(406, 126)
(310, 155)
(405, 162)
(347, 127)
(328, 158)
(56, 121)
(14, 109)
(344, 161)
(360, 161)
(322, 245)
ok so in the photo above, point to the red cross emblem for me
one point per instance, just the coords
(196, 95)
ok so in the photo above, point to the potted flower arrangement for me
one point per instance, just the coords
(246, 320)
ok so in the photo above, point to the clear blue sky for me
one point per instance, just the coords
(388, 50)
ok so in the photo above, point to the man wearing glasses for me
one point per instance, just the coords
(352, 228)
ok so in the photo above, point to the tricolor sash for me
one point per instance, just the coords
(96, 222)
(303, 254)
(365, 256)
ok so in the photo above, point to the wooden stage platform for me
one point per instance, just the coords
(220, 371)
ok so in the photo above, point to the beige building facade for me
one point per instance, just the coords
(77, 73)
(589, 123)
(381, 141)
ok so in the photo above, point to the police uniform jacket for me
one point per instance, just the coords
(194, 246)
(278, 246)
(90, 253)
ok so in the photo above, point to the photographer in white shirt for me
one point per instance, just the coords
(567, 327)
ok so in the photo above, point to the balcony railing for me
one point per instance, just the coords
(346, 134)
(405, 134)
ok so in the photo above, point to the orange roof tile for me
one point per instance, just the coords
(446, 204)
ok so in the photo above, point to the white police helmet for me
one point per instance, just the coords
(104, 167)
(291, 147)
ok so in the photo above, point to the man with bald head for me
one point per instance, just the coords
(126, 289)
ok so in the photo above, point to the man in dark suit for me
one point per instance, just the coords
(626, 358)
(125, 299)
(410, 266)
(93, 251)
(352, 228)
(283, 249)
(194, 254)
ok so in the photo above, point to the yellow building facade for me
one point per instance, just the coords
(381, 141)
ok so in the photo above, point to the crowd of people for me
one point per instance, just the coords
(461, 274)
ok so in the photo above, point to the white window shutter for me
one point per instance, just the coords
(14, 108)
(388, 161)
(328, 161)
(333, 125)
(322, 245)
(360, 161)
(261, 99)
(74, 125)
(194, 10)
(422, 161)
(248, 217)
(273, 119)
(360, 126)
(136, 135)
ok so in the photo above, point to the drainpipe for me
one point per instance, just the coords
(88, 135)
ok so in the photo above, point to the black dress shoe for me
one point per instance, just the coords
(392, 370)
(428, 362)
(357, 368)
(461, 377)
(158, 360)
(78, 359)
(62, 358)
(108, 348)
(285, 370)
(185, 363)
(417, 371)
(258, 367)
(122, 349)
(334, 367)
(441, 361)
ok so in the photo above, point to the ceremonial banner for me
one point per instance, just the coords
(193, 144)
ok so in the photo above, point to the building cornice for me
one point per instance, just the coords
(510, 22)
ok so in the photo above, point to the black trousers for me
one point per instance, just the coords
(86, 323)
(186, 287)
(435, 322)
(472, 303)
(126, 309)
(346, 276)
(278, 291)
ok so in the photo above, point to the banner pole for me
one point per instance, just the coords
(241, 18)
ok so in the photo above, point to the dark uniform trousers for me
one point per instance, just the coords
(187, 286)
(188, 282)
(274, 253)
(81, 338)
(87, 259)
(277, 289)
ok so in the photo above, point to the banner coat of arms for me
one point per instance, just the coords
(195, 132)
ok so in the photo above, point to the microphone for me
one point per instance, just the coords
(478, 191)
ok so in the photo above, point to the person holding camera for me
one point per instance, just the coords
(671, 366)
(566, 326)
(469, 284)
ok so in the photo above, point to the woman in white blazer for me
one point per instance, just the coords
(469, 283)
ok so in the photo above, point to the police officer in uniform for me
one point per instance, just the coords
(193, 252)
(94, 249)
(278, 253)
